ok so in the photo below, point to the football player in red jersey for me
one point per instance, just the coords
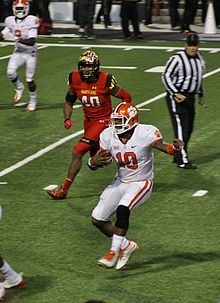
(93, 88)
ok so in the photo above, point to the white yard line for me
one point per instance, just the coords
(65, 139)
(125, 47)
(5, 57)
(39, 153)
(8, 56)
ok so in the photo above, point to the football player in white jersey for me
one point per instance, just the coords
(24, 29)
(12, 278)
(130, 144)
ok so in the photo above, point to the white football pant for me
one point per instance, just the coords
(18, 59)
(130, 194)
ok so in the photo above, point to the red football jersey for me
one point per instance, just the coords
(95, 97)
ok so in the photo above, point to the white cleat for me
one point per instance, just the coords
(31, 107)
(109, 259)
(125, 254)
(18, 94)
(19, 282)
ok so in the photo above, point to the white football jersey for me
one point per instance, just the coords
(135, 158)
(22, 28)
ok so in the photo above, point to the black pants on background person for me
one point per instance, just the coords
(148, 6)
(175, 19)
(182, 120)
(129, 12)
(86, 11)
(105, 11)
(190, 8)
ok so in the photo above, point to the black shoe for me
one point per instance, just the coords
(139, 36)
(188, 165)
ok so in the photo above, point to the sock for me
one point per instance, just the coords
(67, 183)
(124, 243)
(33, 96)
(17, 83)
(116, 243)
(8, 273)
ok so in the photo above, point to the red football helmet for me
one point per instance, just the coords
(124, 117)
(20, 8)
(91, 60)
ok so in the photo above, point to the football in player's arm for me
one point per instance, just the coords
(130, 144)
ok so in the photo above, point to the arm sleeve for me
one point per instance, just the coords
(104, 141)
(167, 76)
(123, 95)
(116, 91)
(5, 31)
(33, 26)
(71, 98)
(154, 135)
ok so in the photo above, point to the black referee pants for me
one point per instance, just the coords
(182, 117)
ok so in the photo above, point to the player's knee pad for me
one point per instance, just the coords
(12, 74)
(122, 217)
(31, 86)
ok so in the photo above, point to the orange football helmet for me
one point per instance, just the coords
(20, 8)
(124, 117)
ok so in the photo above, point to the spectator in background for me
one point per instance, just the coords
(148, 12)
(175, 19)
(105, 11)
(2, 10)
(190, 7)
(217, 12)
(129, 12)
(86, 11)
(40, 8)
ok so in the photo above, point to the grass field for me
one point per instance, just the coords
(55, 244)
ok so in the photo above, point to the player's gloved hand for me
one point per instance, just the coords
(68, 123)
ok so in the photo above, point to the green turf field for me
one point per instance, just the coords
(55, 244)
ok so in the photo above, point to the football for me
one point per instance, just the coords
(104, 153)
(105, 158)
(2, 291)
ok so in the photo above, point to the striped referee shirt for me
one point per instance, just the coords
(183, 73)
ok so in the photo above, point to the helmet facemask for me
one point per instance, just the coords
(88, 67)
(20, 8)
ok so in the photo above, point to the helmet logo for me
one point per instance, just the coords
(132, 111)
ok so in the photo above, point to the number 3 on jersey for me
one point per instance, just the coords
(130, 160)
(91, 101)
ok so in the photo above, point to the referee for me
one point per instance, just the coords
(183, 80)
